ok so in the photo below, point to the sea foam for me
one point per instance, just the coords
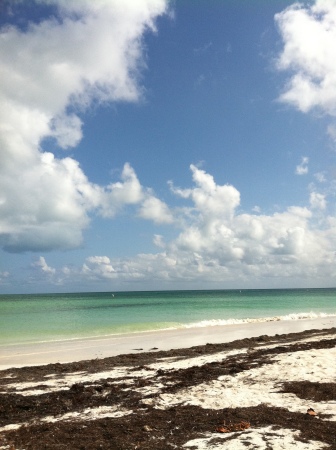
(221, 322)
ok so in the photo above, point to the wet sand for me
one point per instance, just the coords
(101, 347)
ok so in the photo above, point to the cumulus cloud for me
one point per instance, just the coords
(154, 209)
(42, 265)
(209, 198)
(217, 243)
(90, 52)
(127, 192)
(93, 52)
(309, 34)
(98, 266)
(302, 169)
(221, 236)
(317, 201)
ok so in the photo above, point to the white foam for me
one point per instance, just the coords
(221, 322)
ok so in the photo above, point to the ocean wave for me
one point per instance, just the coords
(158, 327)
(221, 322)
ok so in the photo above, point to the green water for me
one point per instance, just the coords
(35, 318)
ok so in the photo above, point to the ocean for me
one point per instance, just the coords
(51, 317)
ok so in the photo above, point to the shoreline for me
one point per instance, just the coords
(31, 354)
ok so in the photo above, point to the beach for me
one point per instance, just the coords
(63, 351)
(255, 385)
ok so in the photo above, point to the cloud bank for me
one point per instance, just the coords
(218, 243)
(88, 52)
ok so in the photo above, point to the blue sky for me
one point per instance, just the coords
(167, 145)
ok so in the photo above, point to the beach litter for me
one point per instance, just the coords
(240, 426)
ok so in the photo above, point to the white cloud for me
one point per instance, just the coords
(130, 192)
(154, 209)
(4, 276)
(320, 177)
(210, 199)
(256, 209)
(302, 169)
(67, 130)
(127, 192)
(309, 35)
(98, 266)
(317, 201)
(158, 240)
(42, 265)
(218, 244)
(98, 260)
(331, 130)
(92, 53)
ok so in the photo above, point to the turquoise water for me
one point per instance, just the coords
(36, 318)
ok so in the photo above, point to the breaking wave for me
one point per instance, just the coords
(294, 316)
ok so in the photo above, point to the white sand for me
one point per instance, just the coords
(91, 348)
(87, 414)
(259, 385)
(261, 439)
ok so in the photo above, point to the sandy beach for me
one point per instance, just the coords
(269, 385)
(64, 351)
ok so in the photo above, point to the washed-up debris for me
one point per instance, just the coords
(311, 412)
(240, 426)
(148, 426)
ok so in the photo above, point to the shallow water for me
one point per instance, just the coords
(50, 317)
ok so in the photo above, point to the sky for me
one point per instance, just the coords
(155, 144)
